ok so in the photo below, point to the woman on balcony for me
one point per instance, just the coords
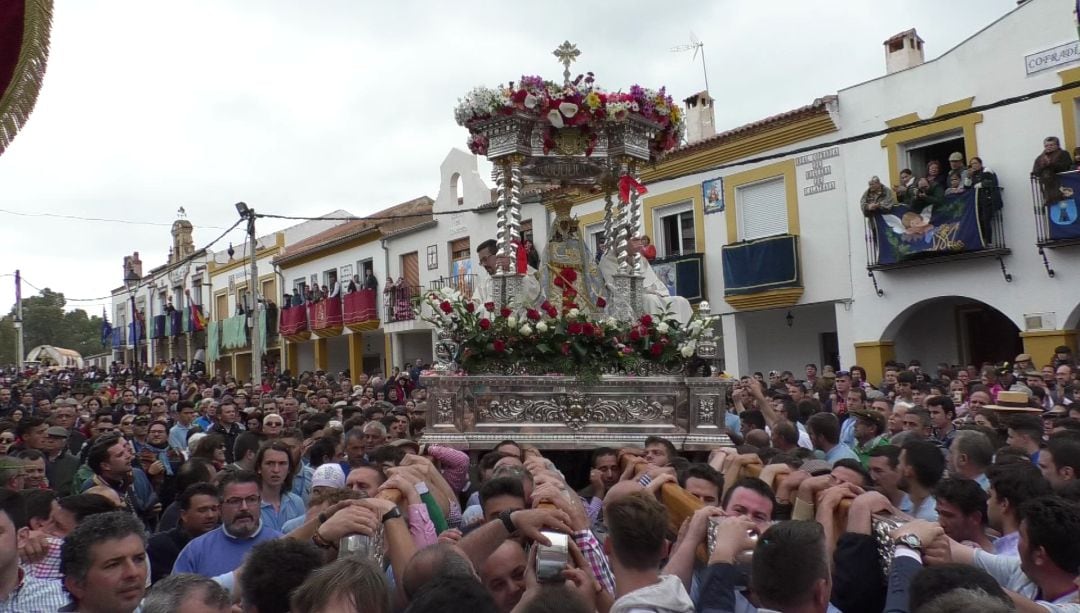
(987, 195)
(403, 300)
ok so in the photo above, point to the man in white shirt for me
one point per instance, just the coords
(484, 290)
(656, 296)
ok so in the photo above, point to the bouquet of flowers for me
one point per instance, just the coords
(559, 338)
(579, 104)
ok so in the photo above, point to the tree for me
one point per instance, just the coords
(46, 323)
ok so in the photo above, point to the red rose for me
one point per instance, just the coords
(489, 307)
(558, 282)
(569, 274)
(485, 323)
(552, 312)
(570, 293)
(565, 348)
(532, 314)
(600, 302)
(635, 335)
(506, 312)
(446, 307)
(656, 350)
(646, 320)
(546, 306)
(499, 345)
(587, 329)
(574, 328)
(470, 307)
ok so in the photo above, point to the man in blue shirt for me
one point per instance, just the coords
(185, 418)
(921, 467)
(824, 431)
(275, 468)
(222, 550)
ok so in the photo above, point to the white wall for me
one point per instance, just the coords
(774, 346)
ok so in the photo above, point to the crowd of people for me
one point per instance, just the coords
(951, 490)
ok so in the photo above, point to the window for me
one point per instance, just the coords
(269, 291)
(362, 268)
(329, 277)
(762, 209)
(461, 264)
(919, 154)
(221, 306)
(527, 231)
(675, 230)
(298, 284)
(459, 249)
(432, 257)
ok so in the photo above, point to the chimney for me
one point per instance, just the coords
(700, 121)
(132, 264)
(903, 51)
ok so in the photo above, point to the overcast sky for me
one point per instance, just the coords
(301, 108)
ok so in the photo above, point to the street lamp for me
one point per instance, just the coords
(131, 281)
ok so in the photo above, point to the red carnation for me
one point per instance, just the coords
(506, 312)
(656, 350)
(569, 274)
(552, 312)
(499, 345)
(532, 314)
(600, 302)
(635, 335)
(574, 327)
(587, 329)
(446, 307)
(470, 307)
(546, 306)
(559, 282)
(489, 307)
(570, 293)
(485, 323)
(646, 320)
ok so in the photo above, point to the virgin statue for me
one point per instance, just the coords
(570, 277)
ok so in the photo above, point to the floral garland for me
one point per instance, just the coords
(579, 104)
(560, 339)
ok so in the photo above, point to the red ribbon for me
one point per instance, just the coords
(627, 183)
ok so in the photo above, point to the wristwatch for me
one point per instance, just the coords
(910, 541)
(393, 513)
(507, 522)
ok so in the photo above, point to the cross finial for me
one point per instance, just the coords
(567, 54)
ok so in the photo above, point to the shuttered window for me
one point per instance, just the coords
(762, 209)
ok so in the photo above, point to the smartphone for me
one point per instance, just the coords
(552, 559)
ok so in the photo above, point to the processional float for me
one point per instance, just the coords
(585, 364)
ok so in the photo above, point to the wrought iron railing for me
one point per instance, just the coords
(1055, 208)
(398, 302)
(462, 283)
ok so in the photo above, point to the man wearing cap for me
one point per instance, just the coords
(957, 168)
(64, 416)
(60, 464)
(1021, 365)
(870, 432)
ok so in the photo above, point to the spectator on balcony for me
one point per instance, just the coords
(297, 297)
(354, 284)
(335, 289)
(877, 197)
(956, 186)
(956, 168)
(324, 293)
(928, 194)
(987, 194)
(1051, 161)
(370, 282)
(933, 174)
(532, 255)
(905, 190)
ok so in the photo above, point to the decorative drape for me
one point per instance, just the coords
(213, 340)
(24, 52)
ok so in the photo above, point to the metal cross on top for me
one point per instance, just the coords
(567, 54)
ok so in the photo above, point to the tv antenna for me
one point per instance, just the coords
(695, 45)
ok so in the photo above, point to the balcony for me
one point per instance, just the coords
(293, 323)
(158, 327)
(398, 303)
(683, 274)
(762, 273)
(325, 317)
(463, 283)
(1056, 218)
(361, 310)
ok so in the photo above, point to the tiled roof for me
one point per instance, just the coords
(417, 210)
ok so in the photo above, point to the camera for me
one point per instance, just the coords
(552, 559)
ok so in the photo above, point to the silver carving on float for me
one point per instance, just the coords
(575, 410)
(706, 410)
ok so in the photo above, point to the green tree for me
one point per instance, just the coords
(45, 322)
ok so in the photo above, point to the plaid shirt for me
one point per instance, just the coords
(49, 566)
(34, 596)
(594, 555)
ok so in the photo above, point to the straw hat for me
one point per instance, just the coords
(1012, 402)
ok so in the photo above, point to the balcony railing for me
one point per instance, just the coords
(964, 226)
(361, 310)
(325, 316)
(1057, 222)
(683, 274)
(462, 283)
(293, 323)
(398, 303)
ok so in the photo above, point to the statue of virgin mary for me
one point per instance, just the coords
(570, 277)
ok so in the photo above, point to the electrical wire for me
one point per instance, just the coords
(105, 219)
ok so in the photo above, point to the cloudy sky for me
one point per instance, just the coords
(301, 108)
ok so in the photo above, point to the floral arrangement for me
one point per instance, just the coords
(559, 338)
(579, 104)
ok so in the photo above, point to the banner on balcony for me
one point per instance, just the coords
(950, 227)
(760, 265)
(1063, 214)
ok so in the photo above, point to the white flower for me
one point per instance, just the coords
(511, 321)
(611, 322)
(663, 328)
(447, 291)
(555, 118)
(569, 109)
(530, 101)
(541, 327)
(688, 350)
(573, 313)
(526, 329)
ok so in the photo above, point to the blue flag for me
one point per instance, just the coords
(1063, 217)
(106, 328)
(949, 227)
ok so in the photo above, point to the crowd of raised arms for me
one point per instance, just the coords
(952, 488)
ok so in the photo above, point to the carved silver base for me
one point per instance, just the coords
(627, 300)
(557, 412)
(506, 287)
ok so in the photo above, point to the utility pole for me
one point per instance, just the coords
(256, 333)
(19, 353)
